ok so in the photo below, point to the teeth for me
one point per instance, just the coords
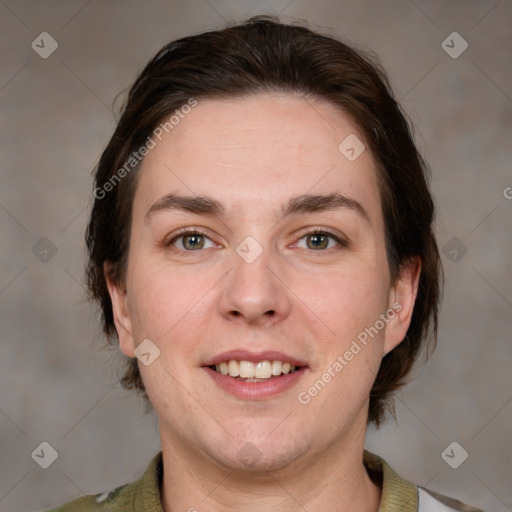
(263, 370)
(234, 369)
(276, 367)
(246, 369)
(250, 370)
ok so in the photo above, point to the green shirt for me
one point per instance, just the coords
(144, 494)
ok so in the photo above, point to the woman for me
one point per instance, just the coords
(262, 248)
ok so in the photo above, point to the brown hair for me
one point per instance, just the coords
(263, 55)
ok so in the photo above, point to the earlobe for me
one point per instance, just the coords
(122, 319)
(402, 299)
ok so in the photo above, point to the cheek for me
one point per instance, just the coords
(166, 299)
(345, 300)
(169, 311)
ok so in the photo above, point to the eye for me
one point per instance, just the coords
(191, 241)
(321, 240)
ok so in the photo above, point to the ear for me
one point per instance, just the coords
(122, 319)
(402, 298)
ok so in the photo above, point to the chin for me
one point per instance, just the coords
(251, 459)
(259, 451)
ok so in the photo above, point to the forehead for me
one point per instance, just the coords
(245, 149)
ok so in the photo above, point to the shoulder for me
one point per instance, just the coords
(430, 501)
(143, 494)
(103, 502)
(400, 494)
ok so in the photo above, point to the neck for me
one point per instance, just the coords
(193, 481)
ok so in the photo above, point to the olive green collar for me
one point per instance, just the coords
(397, 494)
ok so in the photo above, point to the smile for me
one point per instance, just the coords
(249, 371)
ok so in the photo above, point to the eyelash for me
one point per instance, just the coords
(316, 231)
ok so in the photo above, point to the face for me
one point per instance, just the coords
(255, 239)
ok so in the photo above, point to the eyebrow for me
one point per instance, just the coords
(306, 203)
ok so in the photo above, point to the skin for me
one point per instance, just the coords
(253, 154)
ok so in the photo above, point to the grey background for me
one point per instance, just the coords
(58, 385)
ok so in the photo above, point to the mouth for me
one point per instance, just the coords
(255, 376)
(248, 371)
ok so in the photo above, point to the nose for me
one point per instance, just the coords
(254, 292)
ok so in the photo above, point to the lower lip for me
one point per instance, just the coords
(256, 390)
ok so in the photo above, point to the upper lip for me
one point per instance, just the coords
(255, 357)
